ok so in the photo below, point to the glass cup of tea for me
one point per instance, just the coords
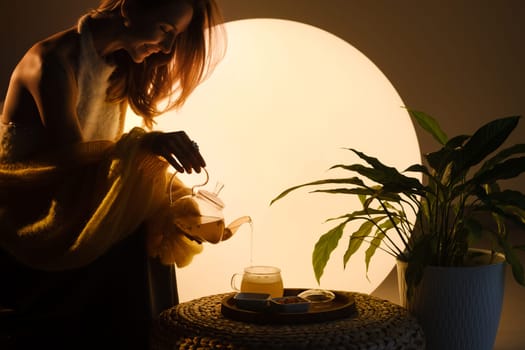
(259, 279)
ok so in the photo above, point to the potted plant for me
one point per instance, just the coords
(435, 222)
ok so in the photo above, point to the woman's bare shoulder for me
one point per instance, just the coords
(56, 54)
(46, 73)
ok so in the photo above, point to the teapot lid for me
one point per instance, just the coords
(211, 197)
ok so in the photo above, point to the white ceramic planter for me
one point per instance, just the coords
(458, 307)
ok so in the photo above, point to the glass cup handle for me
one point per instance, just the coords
(234, 279)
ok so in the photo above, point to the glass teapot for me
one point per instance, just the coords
(200, 214)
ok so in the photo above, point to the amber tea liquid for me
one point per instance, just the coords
(262, 279)
(205, 228)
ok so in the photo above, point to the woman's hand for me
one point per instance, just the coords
(179, 150)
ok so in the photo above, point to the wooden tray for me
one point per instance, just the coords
(341, 307)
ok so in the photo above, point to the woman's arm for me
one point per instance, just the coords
(43, 91)
(48, 73)
(46, 79)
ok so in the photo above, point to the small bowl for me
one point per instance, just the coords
(290, 304)
(317, 295)
(252, 301)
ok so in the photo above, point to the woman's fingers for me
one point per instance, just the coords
(181, 152)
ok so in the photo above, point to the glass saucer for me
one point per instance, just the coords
(317, 295)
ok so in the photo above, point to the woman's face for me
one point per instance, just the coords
(154, 30)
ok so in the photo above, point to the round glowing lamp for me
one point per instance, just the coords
(277, 112)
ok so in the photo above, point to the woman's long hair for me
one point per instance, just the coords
(167, 79)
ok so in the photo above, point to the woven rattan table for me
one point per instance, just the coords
(199, 324)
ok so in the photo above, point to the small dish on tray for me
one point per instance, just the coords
(317, 295)
(252, 301)
(318, 298)
(289, 304)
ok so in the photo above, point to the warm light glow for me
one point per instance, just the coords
(277, 112)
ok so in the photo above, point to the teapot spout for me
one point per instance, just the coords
(230, 230)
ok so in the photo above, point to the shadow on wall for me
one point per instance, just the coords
(23, 23)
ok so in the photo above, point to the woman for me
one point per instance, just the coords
(80, 200)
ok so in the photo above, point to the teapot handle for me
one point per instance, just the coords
(192, 189)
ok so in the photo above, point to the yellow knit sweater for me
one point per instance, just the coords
(66, 210)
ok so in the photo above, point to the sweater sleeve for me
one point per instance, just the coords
(65, 210)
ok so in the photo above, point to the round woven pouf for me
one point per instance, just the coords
(199, 324)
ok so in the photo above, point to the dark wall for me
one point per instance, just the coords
(459, 60)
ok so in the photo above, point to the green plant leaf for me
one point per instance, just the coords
(502, 155)
(349, 181)
(421, 255)
(377, 240)
(507, 169)
(457, 141)
(372, 248)
(369, 194)
(512, 259)
(324, 247)
(515, 214)
(364, 214)
(488, 139)
(512, 213)
(441, 159)
(418, 168)
(473, 229)
(507, 197)
(429, 124)
(389, 177)
(352, 191)
(450, 160)
(356, 239)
